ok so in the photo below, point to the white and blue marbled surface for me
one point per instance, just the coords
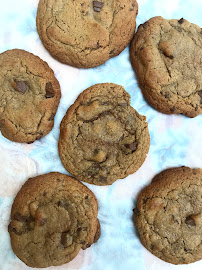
(175, 141)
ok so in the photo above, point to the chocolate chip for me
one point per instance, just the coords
(49, 90)
(172, 109)
(151, 247)
(59, 204)
(200, 93)
(171, 56)
(93, 170)
(20, 86)
(30, 142)
(97, 6)
(190, 221)
(88, 245)
(83, 242)
(133, 5)
(132, 146)
(44, 194)
(111, 51)
(63, 240)
(142, 48)
(187, 250)
(12, 229)
(96, 151)
(181, 21)
(167, 95)
(59, 180)
(52, 117)
(19, 217)
(102, 179)
(43, 221)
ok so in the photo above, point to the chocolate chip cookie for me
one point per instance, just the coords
(29, 96)
(86, 33)
(166, 55)
(53, 216)
(168, 216)
(102, 138)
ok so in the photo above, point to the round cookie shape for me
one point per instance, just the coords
(168, 216)
(53, 216)
(86, 33)
(29, 96)
(166, 56)
(102, 138)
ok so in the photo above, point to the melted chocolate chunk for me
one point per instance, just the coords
(20, 86)
(102, 179)
(190, 221)
(132, 146)
(200, 93)
(97, 6)
(49, 90)
(63, 240)
(181, 21)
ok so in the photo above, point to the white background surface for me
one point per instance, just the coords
(175, 141)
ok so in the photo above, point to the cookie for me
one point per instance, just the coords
(168, 216)
(102, 138)
(86, 33)
(29, 96)
(166, 56)
(53, 216)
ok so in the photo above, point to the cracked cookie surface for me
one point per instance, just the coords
(29, 96)
(53, 216)
(167, 58)
(168, 216)
(86, 33)
(102, 138)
